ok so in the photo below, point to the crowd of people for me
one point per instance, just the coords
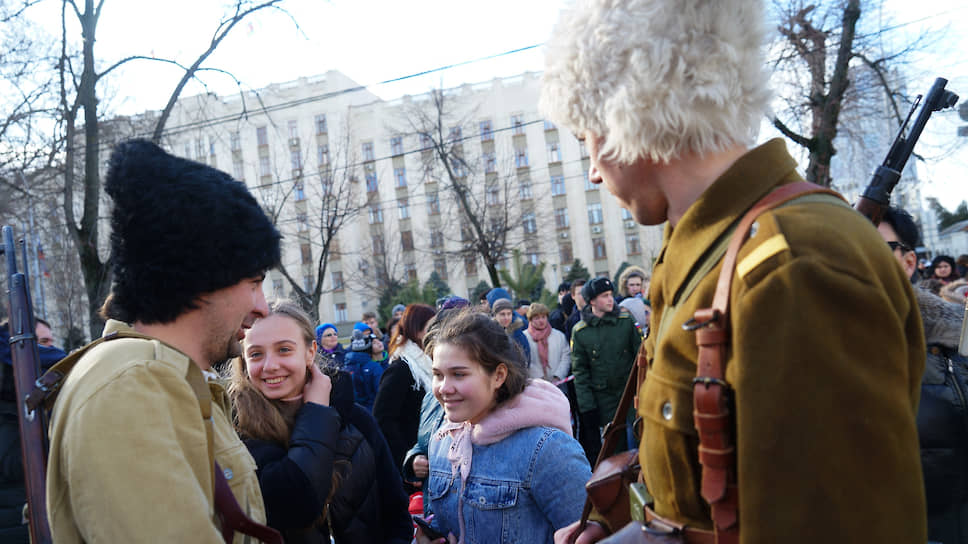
(842, 416)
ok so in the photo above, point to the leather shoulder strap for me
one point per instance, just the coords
(712, 396)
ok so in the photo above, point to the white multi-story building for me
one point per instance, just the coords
(307, 147)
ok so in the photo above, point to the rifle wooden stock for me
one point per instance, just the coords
(33, 428)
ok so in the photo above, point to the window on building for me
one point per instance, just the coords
(367, 151)
(396, 145)
(400, 174)
(262, 136)
(410, 270)
(265, 167)
(295, 159)
(334, 251)
(521, 157)
(403, 208)
(589, 186)
(493, 195)
(426, 142)
(200, 148)
(306, 251)
(440, 267)
(375, 213)
(377, 242)
(564, 253)
(300, 191)
(322, 155)
(277, 287)
(557, 185)
(595, 213)
(517, 123)
(626, 215)
(293, 129)
(302, 222)
(321, 123)
(436, 239)
(632, 245)
(554, 152)
(308, 283)
(529, 223)
(548, 125)
(235, 141)
(487, 132)
(326, 182)
(561, 218)
(433, 203)
(371, 182)
(337, 280)
(211, 145)
(532, 258)
(458, 167)
(490, 163)
(526, 189)
(238, 170)
(470, 265)
(455, 134)
(339, 310)
(598, 248)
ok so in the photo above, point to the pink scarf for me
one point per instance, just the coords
(541, 404)
(540, 337)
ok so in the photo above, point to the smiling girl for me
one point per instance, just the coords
(504, 466)
(323, 466)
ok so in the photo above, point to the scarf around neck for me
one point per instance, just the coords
(418, 361)
(541, 404)
(540, 337)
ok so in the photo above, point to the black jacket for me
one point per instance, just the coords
(369, 504)
(943, 422)
(397, 409)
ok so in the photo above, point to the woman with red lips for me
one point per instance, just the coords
(323, 466)
(503, 465)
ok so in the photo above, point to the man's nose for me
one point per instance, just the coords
(261, 308)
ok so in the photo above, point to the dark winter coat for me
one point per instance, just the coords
(602, 352)
(335, 358)
(397, 409)
(369, 504)
(943, 421)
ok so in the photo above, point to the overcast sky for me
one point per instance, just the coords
(372, 41)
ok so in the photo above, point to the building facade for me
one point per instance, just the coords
(355, 180)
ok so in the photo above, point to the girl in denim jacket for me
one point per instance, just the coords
(503, 466)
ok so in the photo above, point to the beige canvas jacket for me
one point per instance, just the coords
(129, 453)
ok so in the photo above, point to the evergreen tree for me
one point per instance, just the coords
(577, 272)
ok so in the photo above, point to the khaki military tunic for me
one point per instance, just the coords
(826, 359)
(129, 452)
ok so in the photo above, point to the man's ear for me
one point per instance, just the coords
(910, 263)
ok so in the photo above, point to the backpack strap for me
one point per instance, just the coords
(712, 396)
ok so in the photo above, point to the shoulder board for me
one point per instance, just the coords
(578, 326)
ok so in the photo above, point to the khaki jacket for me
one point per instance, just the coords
(826, 360)
(129, 452)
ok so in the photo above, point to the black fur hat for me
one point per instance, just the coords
(179, 229)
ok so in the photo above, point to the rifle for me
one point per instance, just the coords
(877, 196)
(33, 424)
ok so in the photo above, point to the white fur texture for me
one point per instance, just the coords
(658, 78)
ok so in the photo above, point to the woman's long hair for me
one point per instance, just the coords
(255, 415)
(414, 319)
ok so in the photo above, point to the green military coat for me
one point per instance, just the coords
(826, 360)
(602, 353)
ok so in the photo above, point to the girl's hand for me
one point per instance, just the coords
(421, 466)
(318, 387)
(421, 538)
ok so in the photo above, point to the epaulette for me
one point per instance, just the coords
(578, 326)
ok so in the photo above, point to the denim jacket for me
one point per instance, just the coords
(521, 489)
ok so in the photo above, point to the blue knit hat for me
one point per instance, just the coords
(399, 308)
(321, 329)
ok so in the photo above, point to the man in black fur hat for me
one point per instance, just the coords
(139, 420)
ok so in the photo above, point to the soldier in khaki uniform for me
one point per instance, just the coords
(826, 344)
(131, 456)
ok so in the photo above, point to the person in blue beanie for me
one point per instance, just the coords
(332, 352)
